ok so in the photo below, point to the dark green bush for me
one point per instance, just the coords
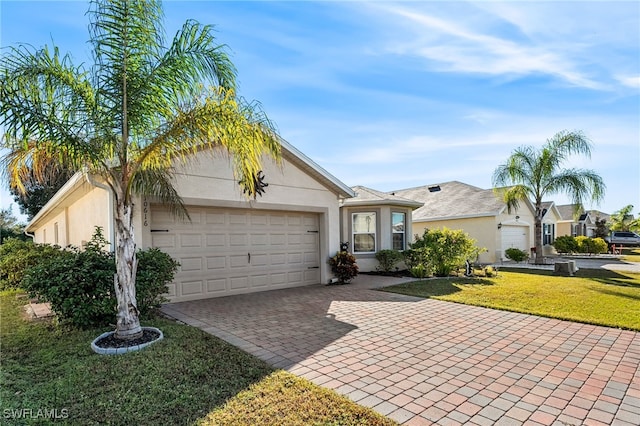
(155, 270)
(447, 249)
(516, 254)
(565, 244)
(79, 283)
(343, 266)
(417, 262)
(387, 259)
(16, 256)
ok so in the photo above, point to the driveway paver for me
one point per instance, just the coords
(424, 361)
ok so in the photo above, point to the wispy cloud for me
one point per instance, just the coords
(505, 42)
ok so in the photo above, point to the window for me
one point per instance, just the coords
(55, 233)
(364, 232)
(397, 230)
(548, 233)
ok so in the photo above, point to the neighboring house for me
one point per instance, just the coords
(581, 223)
(231, 245)
(373, 221)
(479, 212)
(550, 218)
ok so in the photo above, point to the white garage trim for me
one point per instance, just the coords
(225, 251)
(515, 236)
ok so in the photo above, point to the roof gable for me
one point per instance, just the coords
(368, 196)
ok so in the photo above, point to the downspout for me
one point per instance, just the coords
(32, 236)
(111, 230)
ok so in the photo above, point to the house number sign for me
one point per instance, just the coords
(145, 210)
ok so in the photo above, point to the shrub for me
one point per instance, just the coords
(447, 249)
(387, 259)
(417, 262)
(565, 244)
(516, 254)
(155, 270)
(79, 283)
(590, 245)
(16, 256)
(343, 266)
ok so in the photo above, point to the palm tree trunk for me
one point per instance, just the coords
(128, 322)
(539, 259)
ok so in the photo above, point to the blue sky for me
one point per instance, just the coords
(395, 95)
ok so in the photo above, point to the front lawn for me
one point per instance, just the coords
(631, 254)
(593, 296)
(51, 370)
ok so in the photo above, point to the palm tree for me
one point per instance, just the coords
(623, 220)
(142, 107)
(534, 174)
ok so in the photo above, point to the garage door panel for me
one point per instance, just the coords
(214, 250)
(259, 240)
(216, 262)
(163, 241)
(277, 240)
(191, 240)
(238, 283)
(238, 240)
(217, 286)
(191, 287)
(216, 240)
(238, 261)
(191, 264)
(215, 218)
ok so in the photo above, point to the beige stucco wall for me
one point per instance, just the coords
(75, 218)
(481, 229)
(384, 240)
(209, 181)
(484, 230)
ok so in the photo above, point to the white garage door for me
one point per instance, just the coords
(232, 251)
(515, 236)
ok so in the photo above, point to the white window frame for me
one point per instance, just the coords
(403, 232)
(368, 232)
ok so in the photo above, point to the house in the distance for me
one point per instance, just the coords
(479, 212)
(581, 223)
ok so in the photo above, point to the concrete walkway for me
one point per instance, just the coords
(431, 362)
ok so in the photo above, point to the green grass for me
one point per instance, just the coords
(179, 380)
(593, 296)
(631, 254)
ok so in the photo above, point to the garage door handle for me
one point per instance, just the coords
(313, 267)
(249, 257)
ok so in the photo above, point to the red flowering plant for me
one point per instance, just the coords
(343, 266)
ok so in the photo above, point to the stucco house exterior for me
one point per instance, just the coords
(479, 212)
(372, 221)
(550, 218)
(583, 223)
(231, 245)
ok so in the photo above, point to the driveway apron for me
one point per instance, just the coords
(424, 361)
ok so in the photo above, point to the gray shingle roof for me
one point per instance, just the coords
(368, 196)
(454, 199)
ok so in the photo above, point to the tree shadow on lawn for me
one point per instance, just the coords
(602, 276)
(436, 286)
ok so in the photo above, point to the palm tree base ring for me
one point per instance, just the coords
(104, 344)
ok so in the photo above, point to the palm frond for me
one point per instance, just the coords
(158, 185)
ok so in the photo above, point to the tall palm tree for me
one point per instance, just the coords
(534, 174)
(141, 107)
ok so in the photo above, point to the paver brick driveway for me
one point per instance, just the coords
(425, 361)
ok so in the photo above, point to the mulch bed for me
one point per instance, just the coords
(111, 341)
